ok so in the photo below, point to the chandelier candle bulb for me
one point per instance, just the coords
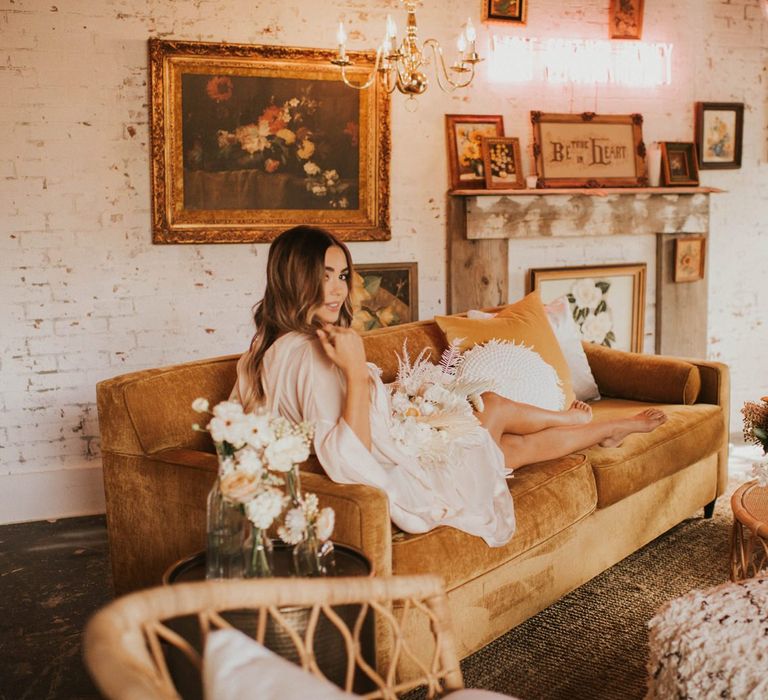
(461, 44)
(341, 38)
(471, 35)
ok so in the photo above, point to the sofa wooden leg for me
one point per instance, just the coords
(709, 509)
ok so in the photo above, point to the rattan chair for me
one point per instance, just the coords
(127, 643)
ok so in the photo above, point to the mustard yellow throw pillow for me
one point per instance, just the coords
(524, 322)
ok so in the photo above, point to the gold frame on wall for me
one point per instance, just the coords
(594, 150)
(362, 215)
(600, 274)
(466, 145)
(511, 150)
(390, 298)
(516, 17)
(690, 258)
(625, 19)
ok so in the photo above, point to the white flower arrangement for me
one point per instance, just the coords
(258, 454)
(433, 406)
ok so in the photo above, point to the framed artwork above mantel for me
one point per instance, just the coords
(250, 140)
(589, 150)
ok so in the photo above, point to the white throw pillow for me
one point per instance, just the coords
(519, 373)
(237, 667)
(569, 338)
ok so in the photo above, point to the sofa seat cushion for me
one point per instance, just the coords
(690, 434)
(548, 497)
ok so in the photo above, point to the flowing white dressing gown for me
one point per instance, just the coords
(469, 493)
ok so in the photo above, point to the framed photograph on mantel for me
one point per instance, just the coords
(719, 127)
(250, 140)
(505, 11)
(502, 164)
(678, 164)
(465, 134)
(589, 150)
(607, 301)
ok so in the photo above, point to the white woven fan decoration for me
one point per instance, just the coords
(519, 373)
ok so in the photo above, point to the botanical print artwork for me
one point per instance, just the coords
(468, 141)
(252, 142)
(383, 296)
(719, 135)
(589, 302)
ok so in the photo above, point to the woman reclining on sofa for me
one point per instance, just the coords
(306, 364)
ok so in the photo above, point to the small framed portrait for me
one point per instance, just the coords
(690, 254)
(607, 301)
(502, 163)
(465, 134)
(384, 294)
(678, 163)
(625, 19)
(719, 127)
(505, 11)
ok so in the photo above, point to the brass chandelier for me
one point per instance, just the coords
(402, 66)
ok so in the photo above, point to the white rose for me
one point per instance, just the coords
(263, 509)
(248, 462)
(250, 138)
(586, 294)
(595, 328)
(311, 168)
(200, 405)
(331, 176)
(319, 190)
(282, 454)
(325, 523)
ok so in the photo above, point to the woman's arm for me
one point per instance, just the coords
(345, 349)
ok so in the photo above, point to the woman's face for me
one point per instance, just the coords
(335, 289)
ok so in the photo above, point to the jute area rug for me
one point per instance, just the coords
(592, 644)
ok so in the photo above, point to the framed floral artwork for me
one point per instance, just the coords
(589, 150)
(384, 294)
(690, 258)
(465, 134)
(678, 164)
(502, 164)
(505, 10)
(719, 127)
(250, 140)
(607, 301)
(626, 19)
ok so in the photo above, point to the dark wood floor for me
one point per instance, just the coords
(53, 576)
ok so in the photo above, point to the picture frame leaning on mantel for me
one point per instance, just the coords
(589, 150)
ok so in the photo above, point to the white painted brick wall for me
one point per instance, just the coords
(85, 294)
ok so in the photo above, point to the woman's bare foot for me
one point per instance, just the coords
(578, 414)
(643, 422)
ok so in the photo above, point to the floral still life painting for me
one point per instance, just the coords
(384, 295)
(465, 135)
(505, 10)
(607, 302)
(719, 127)
(249, 140)
(626, 19)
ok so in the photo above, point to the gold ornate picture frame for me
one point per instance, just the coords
(250, 140)
(607, 301)
(514, 11)
(589, 150)
(464, 135)
(625, 19)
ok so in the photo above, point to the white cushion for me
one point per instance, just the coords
(518, 373)
(237, 667)
(569, 338)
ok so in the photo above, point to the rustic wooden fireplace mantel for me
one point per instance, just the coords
(482, 222)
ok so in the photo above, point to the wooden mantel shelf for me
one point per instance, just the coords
(587, 191)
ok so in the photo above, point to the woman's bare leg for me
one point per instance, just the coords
(552, 443)
(504, 416)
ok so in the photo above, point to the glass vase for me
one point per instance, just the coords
(260, 564)
(313, 558)
(226, 528)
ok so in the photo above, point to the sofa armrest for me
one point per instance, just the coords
(639, 377)
(362, 512)
(362, 517)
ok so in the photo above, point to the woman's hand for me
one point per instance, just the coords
(345, 349)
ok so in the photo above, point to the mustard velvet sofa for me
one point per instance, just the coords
(576, 516)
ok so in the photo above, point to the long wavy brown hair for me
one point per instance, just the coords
(295, 273)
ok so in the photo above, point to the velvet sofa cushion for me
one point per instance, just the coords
(653, 378)
(690, 434)
(548, 496)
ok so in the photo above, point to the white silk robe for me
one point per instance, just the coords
(470, 493)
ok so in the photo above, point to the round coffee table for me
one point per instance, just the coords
(749, 539)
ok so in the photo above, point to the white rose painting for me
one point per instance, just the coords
(607, 302)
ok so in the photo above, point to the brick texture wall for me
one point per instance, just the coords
(85, 295)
